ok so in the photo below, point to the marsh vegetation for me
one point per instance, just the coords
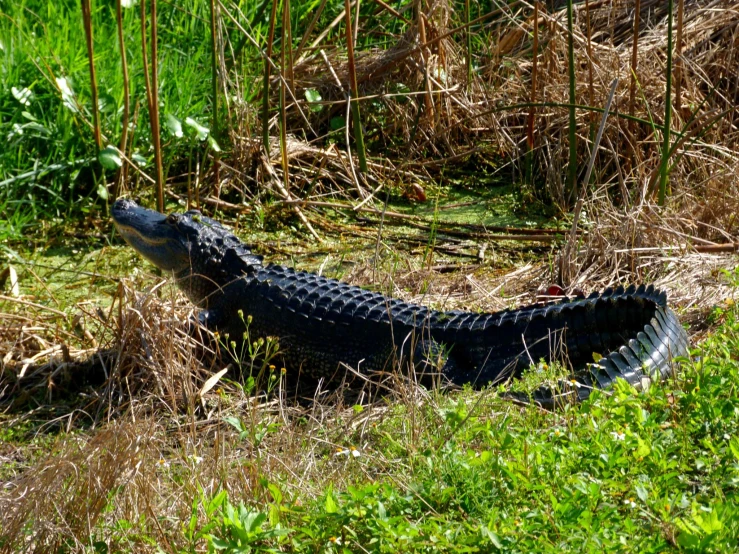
(444, 152)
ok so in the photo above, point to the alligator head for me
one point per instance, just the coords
(203, 255)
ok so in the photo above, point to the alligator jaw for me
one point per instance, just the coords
(151, 234)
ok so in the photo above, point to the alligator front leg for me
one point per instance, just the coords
(433, 363)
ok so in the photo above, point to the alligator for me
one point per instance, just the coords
(627, 333)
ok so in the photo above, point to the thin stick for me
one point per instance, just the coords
(572, 125)
(591, 87)
(214, 71)
(678, 56)
(428, 99)
(123, 172)
(602, 127)
(287, 34)
(145, 55)
(309, 29)
(87, 23)
(532, 111)
(565, 267)
(265, 86)
(215, 128)
(634, 59)
(283, 107)
(468, 43)
(414, 218)
(273, 66)
(356, 118)
(668, 112)
(154, 115)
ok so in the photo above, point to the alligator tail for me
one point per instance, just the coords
(642, 347)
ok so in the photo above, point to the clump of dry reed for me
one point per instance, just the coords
(151, 436)
(443, 117)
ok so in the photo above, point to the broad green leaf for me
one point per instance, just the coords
(102, 191)
(330, 505)
(337, 123)
(37, 127)
(220, 544)
(494, 538)
(643, 448)
(215, 503)
(641, 492)
(709, 523)
(107, 103)
(173, 125)
(312, 95)
(734, 446)
(201, 131)
(252, 521)
(236, 423)
(139, 159)
(276, 493)
(213, 144)
(110, 158)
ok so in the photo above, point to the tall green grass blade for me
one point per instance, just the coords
(468, 43)
(664, 165)
(572, 123)
(214, 125)
(267, 71)
(123, 172)
(87, 23)
(354, 93)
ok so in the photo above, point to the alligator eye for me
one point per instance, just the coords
(172, 218)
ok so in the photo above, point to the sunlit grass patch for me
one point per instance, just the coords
(463, 471)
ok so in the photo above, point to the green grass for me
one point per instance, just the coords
(47, 154)
(48, 160)
(458, 472)
(624, 472)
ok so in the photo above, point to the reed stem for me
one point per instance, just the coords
(354, 94)
(87, 23)
(122, 176)
(572, 124)
(664, 165)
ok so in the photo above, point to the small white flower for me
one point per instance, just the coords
(196, 459)
(618, 436)
(351, 451)
(335, 541)
(630, 503)
(161, 462)
(556, 432)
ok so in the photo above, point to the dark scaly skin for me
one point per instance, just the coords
(322, 322)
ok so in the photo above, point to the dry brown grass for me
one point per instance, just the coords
(423, 117)
(148, 435)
